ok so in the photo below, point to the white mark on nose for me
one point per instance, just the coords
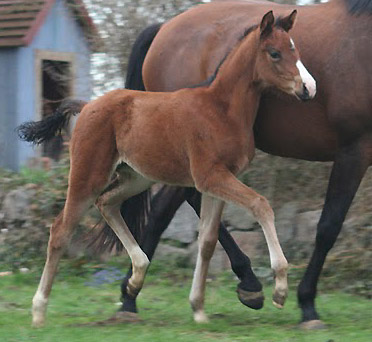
(307, 79)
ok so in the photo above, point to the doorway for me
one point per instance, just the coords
(56, 86)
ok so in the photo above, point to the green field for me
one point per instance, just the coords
(166, 314)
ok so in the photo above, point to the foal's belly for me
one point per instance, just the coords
(159, 164)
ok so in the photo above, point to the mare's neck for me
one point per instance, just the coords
(234, 84)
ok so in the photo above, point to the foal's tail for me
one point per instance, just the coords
(38, 132)
(136, 209)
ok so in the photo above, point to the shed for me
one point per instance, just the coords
(45, 50)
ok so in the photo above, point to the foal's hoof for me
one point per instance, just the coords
(38, 321)
(200, 317)
(279, 299)
(254, 300)
(314, 324)
(38, 324)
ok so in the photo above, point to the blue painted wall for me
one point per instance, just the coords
(8, 110)
(59, 33)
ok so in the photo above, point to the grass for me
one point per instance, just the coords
(166, 313)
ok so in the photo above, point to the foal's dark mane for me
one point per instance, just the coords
(210, 79)
(359, 6)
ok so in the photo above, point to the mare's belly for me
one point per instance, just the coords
(289, 128)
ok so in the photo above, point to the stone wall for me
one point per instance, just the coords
(295, 189)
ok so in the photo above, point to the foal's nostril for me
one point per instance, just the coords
(304, 95)
(305, 92)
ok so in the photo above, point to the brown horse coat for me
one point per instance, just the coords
(198, 137)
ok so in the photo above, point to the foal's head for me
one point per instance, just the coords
(278, 63)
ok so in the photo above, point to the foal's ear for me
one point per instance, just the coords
(287, 22)
(267, 22)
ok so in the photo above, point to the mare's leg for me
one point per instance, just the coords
(163, 208)
(249, 289)
(210, 217)
(348, 170)
(127, 184)
(224, 185)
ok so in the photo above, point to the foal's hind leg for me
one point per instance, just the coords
(224, 185)
(210, 217)
(163, 207)
(90, 171)
(60, 234)
(127, 184)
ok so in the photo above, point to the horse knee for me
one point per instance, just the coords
(262, 210)
(327, 233)
(104, 205)
(196, 301)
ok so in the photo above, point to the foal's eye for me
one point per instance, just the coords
(275, 55)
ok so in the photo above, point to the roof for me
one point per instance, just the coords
(20, 20)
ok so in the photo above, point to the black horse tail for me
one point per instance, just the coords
(38, 132)
(135, 210)
(137, 56)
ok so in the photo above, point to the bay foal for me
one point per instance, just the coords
(200, 137)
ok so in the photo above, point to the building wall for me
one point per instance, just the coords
(59, 33)
(8, 84)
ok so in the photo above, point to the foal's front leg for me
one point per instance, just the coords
(224, 185)
(249, 289)
(210, 217)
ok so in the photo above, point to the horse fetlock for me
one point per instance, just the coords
(281, 286)
(133, 287)
(280, 267)
(39, 307)
(280, 295)
(197, 304)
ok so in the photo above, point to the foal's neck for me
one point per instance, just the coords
(235, 82)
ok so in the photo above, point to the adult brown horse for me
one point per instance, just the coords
(200, 137)
(335, 43)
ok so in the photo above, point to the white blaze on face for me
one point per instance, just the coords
(307, 79)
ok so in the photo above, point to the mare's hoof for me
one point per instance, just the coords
(314, 324)
(279, 299)
(254, 300)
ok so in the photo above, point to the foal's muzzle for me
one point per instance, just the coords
(308, 89)
(305, 94)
